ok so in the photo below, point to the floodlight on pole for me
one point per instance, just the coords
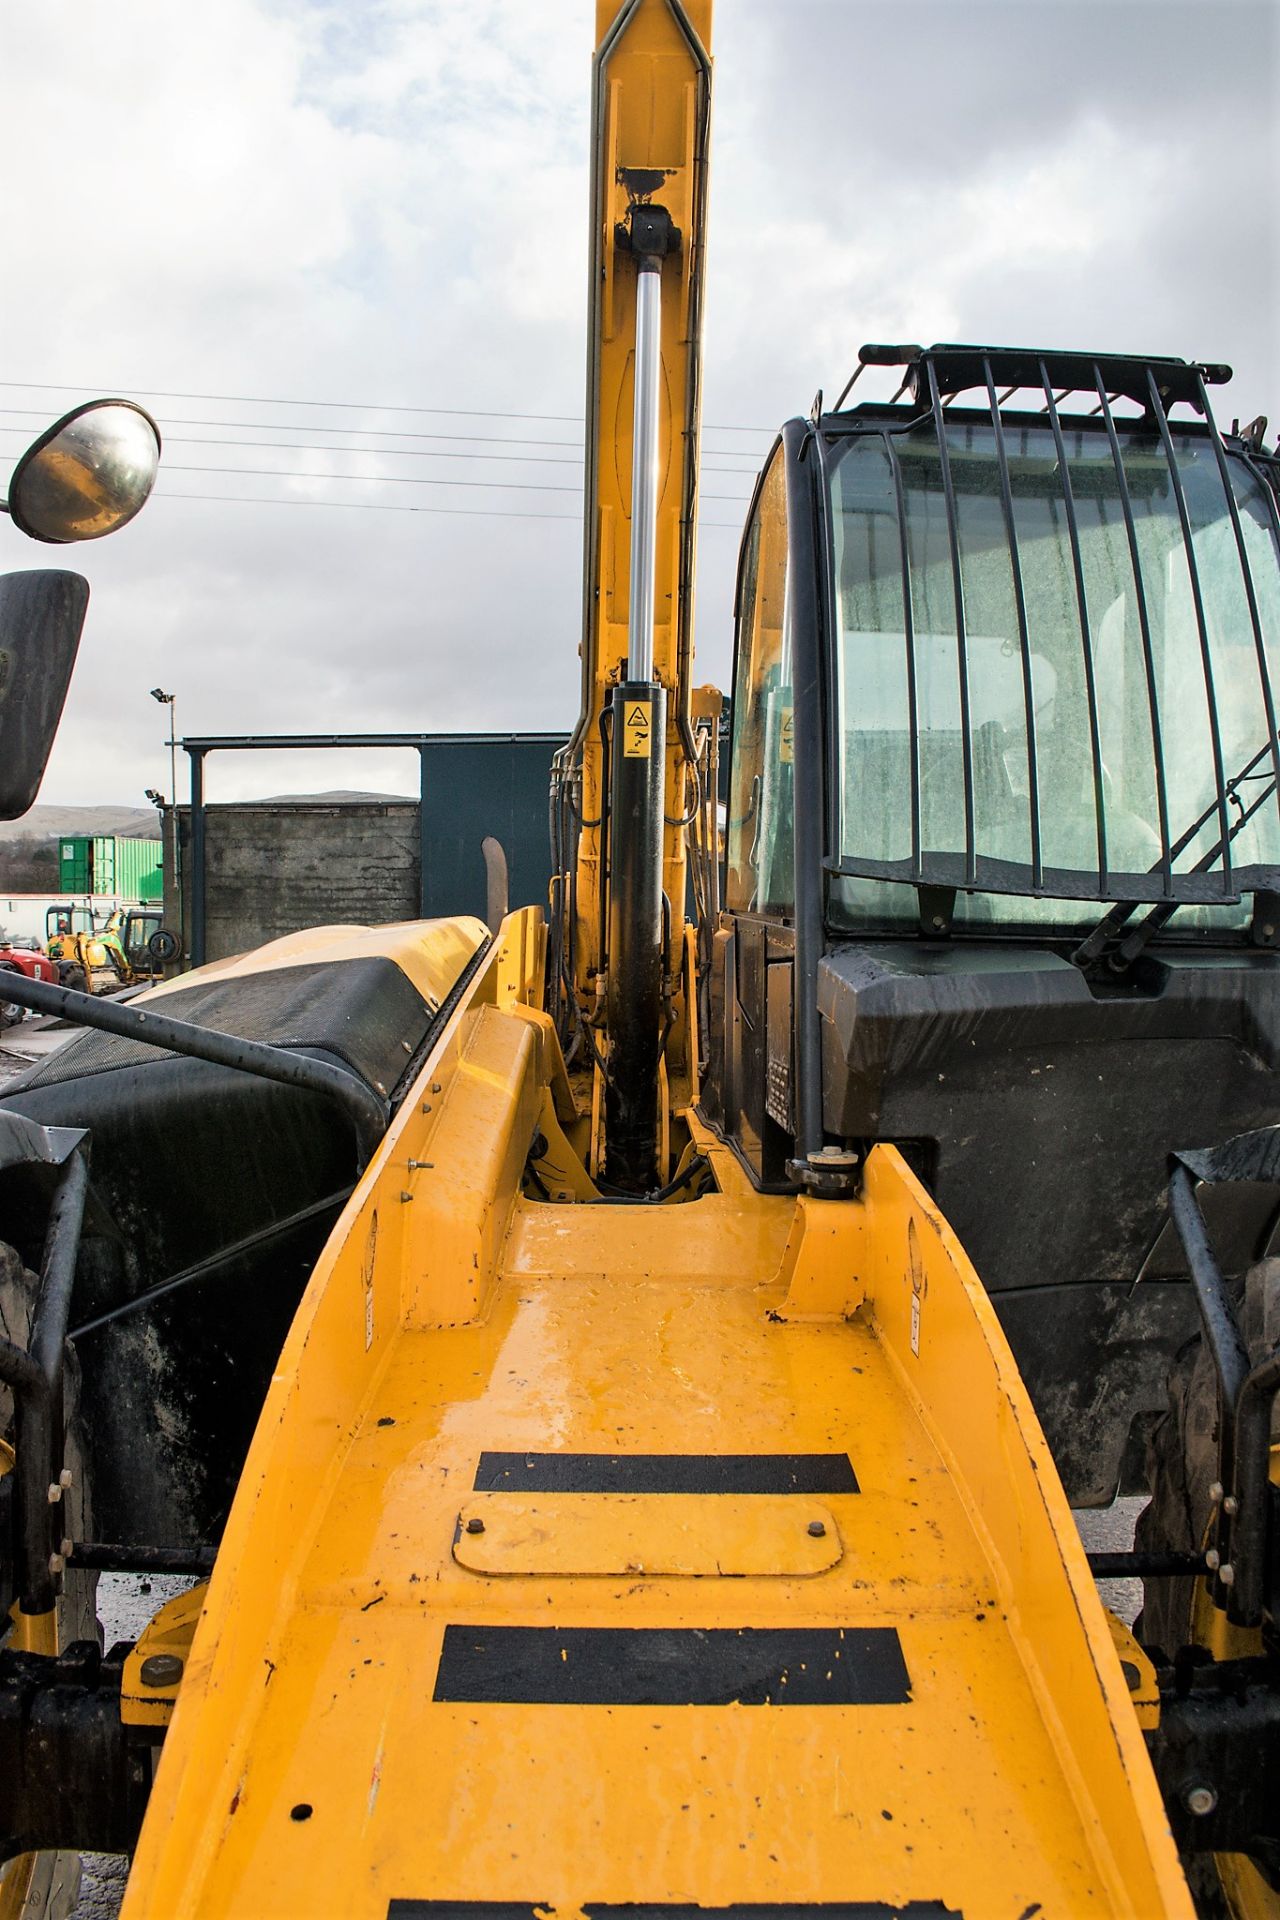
(170, 700)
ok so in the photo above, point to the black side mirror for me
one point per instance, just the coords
(41, 618)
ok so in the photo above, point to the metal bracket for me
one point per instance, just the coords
(1264, 927)
(830, 1173)
(937, 906)
(1252, 434)
(1215, 1753)
(648, 232)
(71, 1774)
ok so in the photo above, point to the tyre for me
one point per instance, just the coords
(46, 1886)
(72, 974)
(163, 946)
(1182, 1466)
(10, 1012)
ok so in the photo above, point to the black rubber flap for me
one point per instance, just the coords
(359, 1011)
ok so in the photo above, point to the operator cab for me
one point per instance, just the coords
(64, 922)
(1003, 842)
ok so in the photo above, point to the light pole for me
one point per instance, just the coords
(170, 700)
(171, 863)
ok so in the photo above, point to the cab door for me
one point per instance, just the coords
(750, 1078)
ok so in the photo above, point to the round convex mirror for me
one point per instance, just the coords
(89, 474)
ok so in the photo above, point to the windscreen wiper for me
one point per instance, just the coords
(1122, 956)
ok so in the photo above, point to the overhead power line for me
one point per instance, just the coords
(402, 453)
(369, 433)
(381, 453)
(376, 479)
(351, 406)
(393, 506)
(405, 480)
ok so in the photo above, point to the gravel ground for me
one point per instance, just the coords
(29, 1041)
(1110, 1530)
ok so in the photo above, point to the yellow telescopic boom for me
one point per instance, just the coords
(651, 105)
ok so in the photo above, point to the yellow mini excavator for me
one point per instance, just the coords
(621, 1382)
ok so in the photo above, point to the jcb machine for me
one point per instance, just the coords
(104, 959)
(622, 1377)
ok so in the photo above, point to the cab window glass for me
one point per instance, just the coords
(996, 744)
(759, 837)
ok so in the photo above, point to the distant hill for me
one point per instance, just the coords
(43, 822)
(340, 797)
(47, 822)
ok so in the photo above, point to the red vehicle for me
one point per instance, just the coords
(22, 956)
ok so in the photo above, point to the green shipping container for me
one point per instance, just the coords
(101, 863)
(75, 864)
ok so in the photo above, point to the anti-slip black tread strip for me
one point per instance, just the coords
(673, 1666)
(665, 1473)
(662, 1910)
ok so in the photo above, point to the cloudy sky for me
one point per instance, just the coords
(300, 231)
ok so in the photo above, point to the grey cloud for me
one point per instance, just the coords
(325, 200)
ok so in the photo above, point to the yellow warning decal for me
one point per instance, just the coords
(637, 729)
(785, 748)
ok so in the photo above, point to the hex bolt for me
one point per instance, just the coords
(161, 1670)
(55, 1494)
(475, 1524)
(405, 1195)
(817, 1529)
(1212, 1559)
(65, 1478)
(65, 1545)
(1230, 1504)
(1227, 1575)
(421, 1163)
(1199, 1799)
(56, 1563)
(1215, 1492)
(435, 1086)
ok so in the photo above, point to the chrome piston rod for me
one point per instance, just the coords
(644, 468)
(633, 1010)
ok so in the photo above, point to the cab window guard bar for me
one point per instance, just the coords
(933, 379)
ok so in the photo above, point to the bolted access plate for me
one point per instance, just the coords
(694, 1535)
